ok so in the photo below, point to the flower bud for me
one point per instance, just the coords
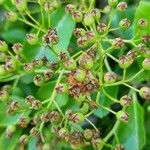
(39, 80)
(146, 64)
(63, 133)
(122, 6)
(17, 48)
(34, 132)
(125, 62)
(118, 43)
(145, 93)
(86, 61)
(23, 121)
(80, 75)
(61, 88)
(11, 16)
(125, 23)
(48, 7)
(70, 64)
(122, 116)
(32, 38)
(143, 23)
(28, 68)
(88, 19)
(125, 101)
(113, 3)
(110, 77)
(88, 134)
(3, 46)
(23, 140)
(79, 32)
(77, 16)
(101, 28)
(96, 13)
(70, 8)
(10, 130)
(36, 104)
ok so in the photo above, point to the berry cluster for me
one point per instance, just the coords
(84, 76)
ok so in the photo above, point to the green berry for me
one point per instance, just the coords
(143, 23)
(63, 133)
(32, 38)
(11, 16)
(88, 134)
(145, 93)
(88, 19)
(2, 57)
(122, 6)
(80, 75)
(125, 62)
(78, 118)
(48, 7)
(146, 64)
(110, 77)
(70, 64)
(77, 16)
(23, 121)
(96, 13)
(125, 23)
(39, 80)
(122, 116)
(23, 140)
(56, 3)
(10, 130)
(17, 48)
(4, 95)
(21, 5)
(125, 101)
(3, 46)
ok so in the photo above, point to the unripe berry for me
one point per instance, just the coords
(10, 65)
(132, 54)
(21, 5)
(88, 134)
(80, 75)
(11, 16)
(17, 48)
(63, 133)
(70, 8)
(61, 88)
(23, 121)
(110, 77)
(46, 146)
(13, 106)
(55, 117)
(119, 147)
(88, 19)
(3, 46)
(48, 74)
(122, 116)
(107, 9)
(34, 132)
(125, 23)
(29, 99)
(36, 104)
(32, 38)
(86, 61)
(79, 32)
(23, 140)
(2, 57)
(48, 7)
(96, 13)
(78, 118)
(118, 43)
(96, 142)
(145, 93)
(39, 80)
(125, 101)
(82, 42)
(37, 63)
(113, 3)
(28, 68)
(146, 64)
(4, 95)
(122, 6)
(90, 35)
(101, 28)
(56, 3)
(10, 130)
(77, 16)
(70, 64)
(125, 62)
(143, 23)
(41, 2)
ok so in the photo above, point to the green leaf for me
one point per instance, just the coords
(132, 135)
(105, 101)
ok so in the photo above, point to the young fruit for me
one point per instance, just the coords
(88, 19)
(17, 48)
(125, 23)
(125, 62)
(23, 140)
(80, 75)
(113, 3)
(70, 64)
(63, 133)
(145, 93)
(61, 88)
(88, 134)
(21, 5)
(78, 118)
(143, 23)
(110, 77)
(11, 16)
(125, 101)
(3, 46)
(10, 130)
(122, 6)
(122, 116)
(32, 38)
(77, 16)
(48, 7)
(146, 64)
(39, 80)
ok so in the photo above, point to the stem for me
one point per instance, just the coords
(112, 57)
(138, 73)
(49, 20)
(124, 74)
(91, 124)
(130, 87)
(107, 65)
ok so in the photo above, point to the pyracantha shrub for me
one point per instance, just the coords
(73, 74)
